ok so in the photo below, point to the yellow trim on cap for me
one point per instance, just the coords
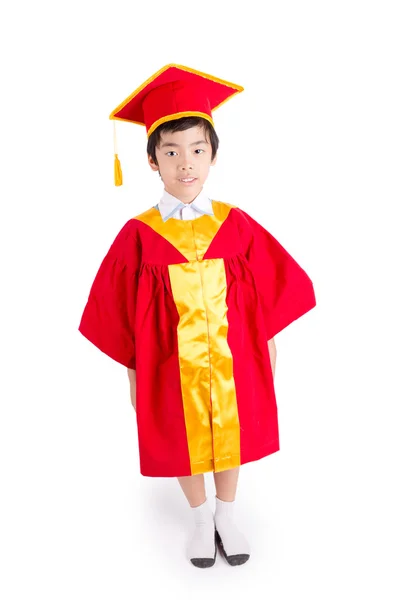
(179, 115)
(239, 88)
(128, 120)
(226, 99)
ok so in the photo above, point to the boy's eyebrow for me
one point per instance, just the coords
(177, 145)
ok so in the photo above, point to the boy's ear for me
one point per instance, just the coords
(152, 163)
(214, 160)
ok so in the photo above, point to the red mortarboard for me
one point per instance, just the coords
(173, 92)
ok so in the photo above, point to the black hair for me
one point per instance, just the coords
(180, 125)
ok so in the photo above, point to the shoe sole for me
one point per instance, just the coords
(235, 559)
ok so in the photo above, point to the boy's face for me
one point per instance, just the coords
(183, 155)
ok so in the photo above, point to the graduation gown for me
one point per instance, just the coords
(191, 305)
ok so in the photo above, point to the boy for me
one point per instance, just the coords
(189, 298)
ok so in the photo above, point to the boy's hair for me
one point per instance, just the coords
(181, 125)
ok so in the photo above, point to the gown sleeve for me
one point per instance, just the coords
(108, 319)
(285, 290)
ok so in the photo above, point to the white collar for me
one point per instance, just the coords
(169, 204)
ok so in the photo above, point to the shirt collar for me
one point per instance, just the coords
(169, 204)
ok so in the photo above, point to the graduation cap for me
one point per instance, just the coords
(175, 91)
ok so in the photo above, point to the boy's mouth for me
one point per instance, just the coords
(187, 180)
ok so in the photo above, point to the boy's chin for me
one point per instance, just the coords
(186, 190)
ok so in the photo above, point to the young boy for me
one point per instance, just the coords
(189, 298)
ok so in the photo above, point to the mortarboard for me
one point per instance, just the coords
(173, 92)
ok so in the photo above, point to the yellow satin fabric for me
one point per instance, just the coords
(206, 364)
(192, 238)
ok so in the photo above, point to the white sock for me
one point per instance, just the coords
(202, 547)
(235, 545)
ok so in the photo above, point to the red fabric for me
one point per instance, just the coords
(266, 291)
(108, 319)
(172, 98)
(131, 316)
(285, 290)
(174, 90)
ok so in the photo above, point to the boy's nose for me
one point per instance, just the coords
(185, 164)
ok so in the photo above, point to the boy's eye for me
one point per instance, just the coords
(171, 152)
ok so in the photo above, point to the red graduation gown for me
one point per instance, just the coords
(190, 305)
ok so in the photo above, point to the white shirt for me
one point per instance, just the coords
(169, 206)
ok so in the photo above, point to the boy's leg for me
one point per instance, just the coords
(226, 484)
(194, 489)
(232, 542)
(202, 548)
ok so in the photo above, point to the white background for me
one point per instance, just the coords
(311, 150)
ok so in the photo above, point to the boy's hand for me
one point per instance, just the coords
(132, 385)
(272, 354)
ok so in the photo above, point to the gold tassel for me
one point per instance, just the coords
(117, 164)
(117, 171)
